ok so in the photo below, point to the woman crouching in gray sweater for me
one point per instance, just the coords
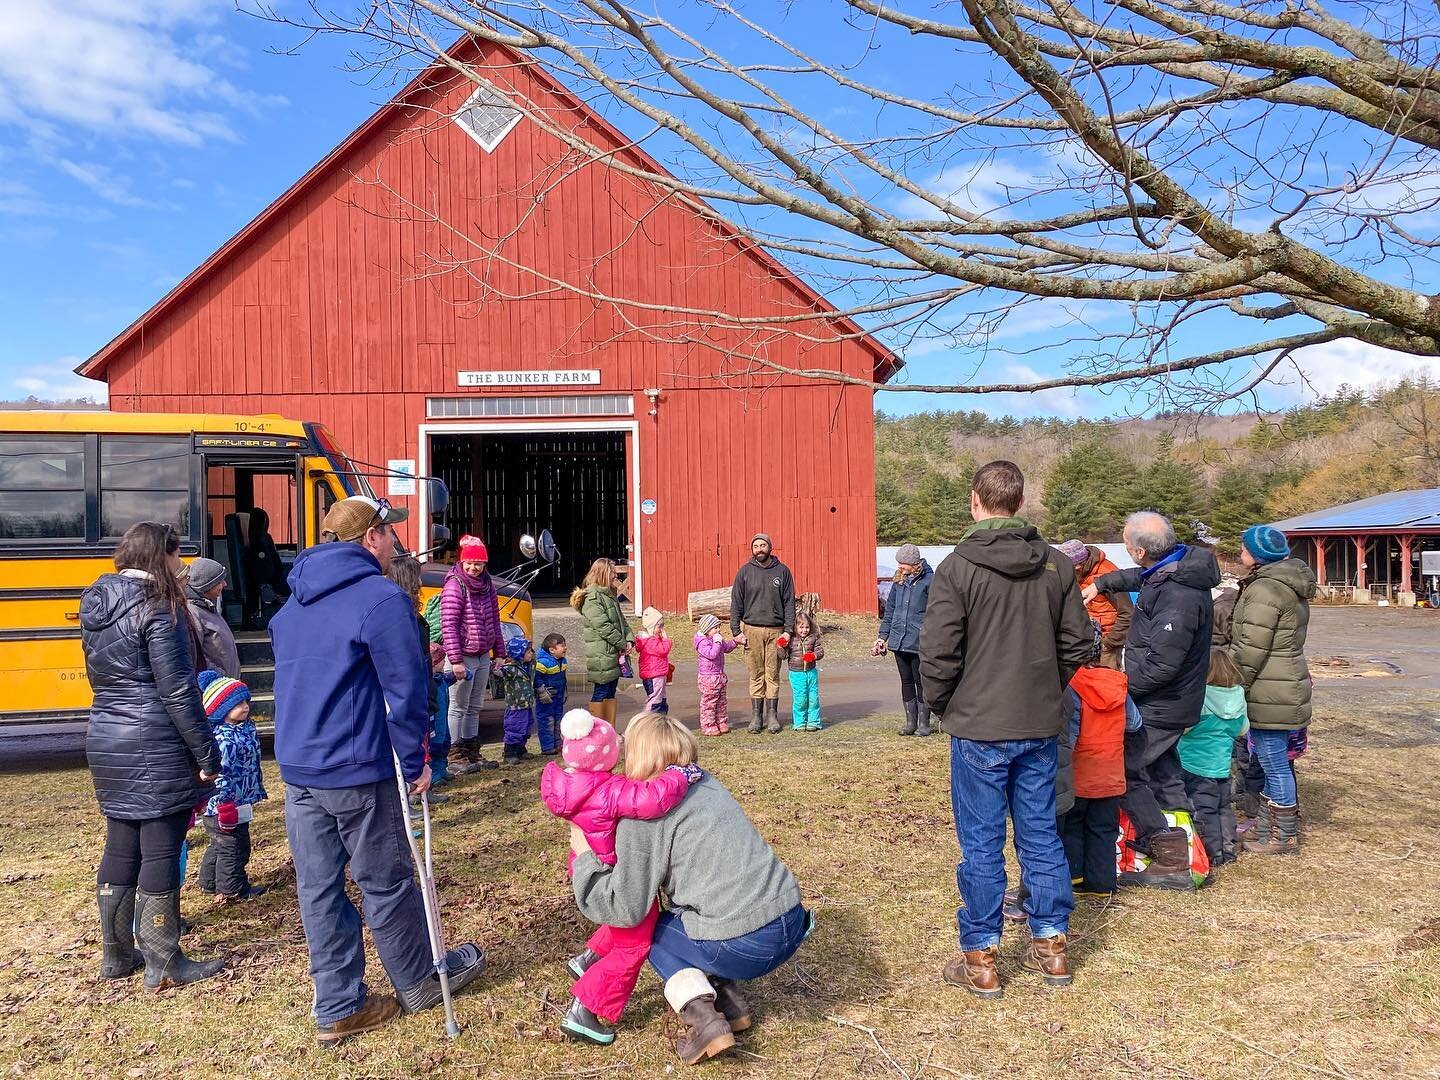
(726, 919)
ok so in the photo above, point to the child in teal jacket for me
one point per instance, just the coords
(1205, 754)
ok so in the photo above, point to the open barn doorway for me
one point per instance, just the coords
(577, 484)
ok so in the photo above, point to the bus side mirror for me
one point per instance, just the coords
(437, 497)
(439, 536)
(549, 553)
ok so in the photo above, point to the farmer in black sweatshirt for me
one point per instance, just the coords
(762, 608)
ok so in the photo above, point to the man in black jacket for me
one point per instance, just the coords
(1167, 660)
(762, 608)
(1004, 631)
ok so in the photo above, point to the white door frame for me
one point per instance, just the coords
(558, 427)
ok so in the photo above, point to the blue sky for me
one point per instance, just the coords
(136, 136)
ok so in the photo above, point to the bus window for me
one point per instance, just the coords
(144, 479)
(42, 487)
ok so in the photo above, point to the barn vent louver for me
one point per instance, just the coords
(487, 117)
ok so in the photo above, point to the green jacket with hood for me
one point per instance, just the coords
(1268, 643)
(606, 632)
(1004, 631)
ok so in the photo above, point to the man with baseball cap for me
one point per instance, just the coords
(762, 610)
(351, 694)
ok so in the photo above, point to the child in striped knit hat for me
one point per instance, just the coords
(238, 788)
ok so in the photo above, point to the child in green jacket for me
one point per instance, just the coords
(1205, 755)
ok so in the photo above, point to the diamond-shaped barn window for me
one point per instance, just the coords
(487, 117)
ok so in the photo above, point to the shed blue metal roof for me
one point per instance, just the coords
(1397, 510)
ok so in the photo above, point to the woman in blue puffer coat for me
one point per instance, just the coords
(900, 632)
(150, 753)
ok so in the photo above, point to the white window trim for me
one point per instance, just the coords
(486, 89)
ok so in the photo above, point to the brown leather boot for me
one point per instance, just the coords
(706, 1034)
(975, 971)
(1169, 866)
(1047, 956)
(378, 1010)
(732, 1004)
(1278, 832)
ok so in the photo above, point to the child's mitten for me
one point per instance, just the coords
(227, 816)
(692, 772)
(783, 641)
(809, 658)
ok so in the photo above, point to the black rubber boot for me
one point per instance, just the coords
(923, 711)
(117, 931)
(582, 963)
(757, 718)
(584, 1026)
(157, 922)
(772, 715)
(912, 717)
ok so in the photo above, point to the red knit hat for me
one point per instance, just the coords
(472, 547)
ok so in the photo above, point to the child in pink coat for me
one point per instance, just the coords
(712, 647)
(653, 645)
(587, 794)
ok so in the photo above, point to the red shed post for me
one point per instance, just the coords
(1320, 543)
(1361, 542)
(1405, 545)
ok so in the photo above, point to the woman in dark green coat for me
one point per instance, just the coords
(1267, 642)
(607, 635)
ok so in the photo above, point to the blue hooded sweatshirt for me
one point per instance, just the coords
(344, 647)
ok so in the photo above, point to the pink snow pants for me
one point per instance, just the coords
(714, 709)
(606, 986)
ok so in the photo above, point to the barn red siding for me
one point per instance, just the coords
(352, 304)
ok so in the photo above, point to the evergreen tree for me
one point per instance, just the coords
(1170, 487)
(939, 509)
(892, 511)
(1091, 484)
(1237, 501)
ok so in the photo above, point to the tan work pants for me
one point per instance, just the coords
(762, 658)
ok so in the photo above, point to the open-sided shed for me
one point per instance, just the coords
(1373, 542)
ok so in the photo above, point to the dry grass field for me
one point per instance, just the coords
(1323, 965)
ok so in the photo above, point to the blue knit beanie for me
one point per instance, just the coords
(1266, 543)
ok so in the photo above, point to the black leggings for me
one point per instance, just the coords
(144, 853)
(909, 665)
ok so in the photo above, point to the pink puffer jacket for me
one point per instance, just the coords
(654, 655)
(596, 801)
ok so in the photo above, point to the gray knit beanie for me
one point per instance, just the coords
(909, 555)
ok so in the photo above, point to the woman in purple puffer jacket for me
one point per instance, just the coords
(470, 630)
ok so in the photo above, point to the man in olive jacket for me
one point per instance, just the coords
(1004, 631)
(1167, 661)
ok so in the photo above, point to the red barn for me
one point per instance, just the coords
(563, 342)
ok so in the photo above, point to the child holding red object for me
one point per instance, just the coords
(804, 649)
(589, 795)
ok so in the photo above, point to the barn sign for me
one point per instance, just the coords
(530, 378)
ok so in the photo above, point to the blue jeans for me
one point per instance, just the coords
(1272, 749)
(365, 827)
(604, 691)
(746, 957)
(987, 781)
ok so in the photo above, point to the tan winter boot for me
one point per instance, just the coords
(1047, 957)
(1277, 831)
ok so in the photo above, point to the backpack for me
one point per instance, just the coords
(1127, 859)
(432, 618)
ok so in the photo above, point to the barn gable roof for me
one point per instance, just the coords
(887, 362)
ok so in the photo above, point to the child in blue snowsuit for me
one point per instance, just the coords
(517, 682)
(550, 689)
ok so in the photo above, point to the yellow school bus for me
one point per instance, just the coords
(247, 491)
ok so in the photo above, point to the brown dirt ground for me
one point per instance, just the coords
(1327, 964)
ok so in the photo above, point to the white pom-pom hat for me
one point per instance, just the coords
(591, 745)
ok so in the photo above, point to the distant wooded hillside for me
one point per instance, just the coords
(1212, 475)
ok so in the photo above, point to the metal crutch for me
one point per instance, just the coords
(429, 895)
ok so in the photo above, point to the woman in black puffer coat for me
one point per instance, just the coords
(150, 753)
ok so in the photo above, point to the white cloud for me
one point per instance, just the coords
(979, 187)
(1324, 369)
(103, 182)
(55, 380)
(126, 68)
